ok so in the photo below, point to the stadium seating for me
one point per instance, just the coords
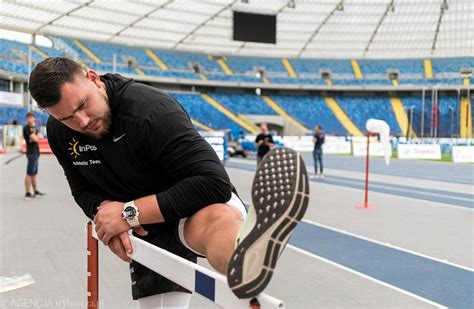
(243, 103)
(174, 74)
(235, 78)
(271, 66)
(451, 65)
(122, 53)
(448, 114)
(9, 113)
(314, 66)
(310, 111)
(406, 66)
(14, 58)
(206, 114)
(184, 61)
(362, 108)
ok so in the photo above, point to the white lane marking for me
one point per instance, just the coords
(387, 245)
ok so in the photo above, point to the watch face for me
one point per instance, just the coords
(130, 212)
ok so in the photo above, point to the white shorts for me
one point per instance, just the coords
(234, 201)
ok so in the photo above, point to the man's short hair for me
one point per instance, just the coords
(29, 114)
(49, 76)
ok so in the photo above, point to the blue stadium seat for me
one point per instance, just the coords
(200, 110)
(51, 52)
(10, 113)
(272, 66)
(361, 108)
(314, 66)
(406, 66)
(243, 103)
(174, 74)
(451, 65)
(183, 61)
(311, 111)
(122, 53)
(448, 114)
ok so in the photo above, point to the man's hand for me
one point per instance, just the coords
(120, 245)
(109, 222)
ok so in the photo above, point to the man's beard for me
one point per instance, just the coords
(105, 130)
(106, 123)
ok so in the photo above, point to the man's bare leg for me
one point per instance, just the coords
(27, 183)
(33, 183)
(212, 232)
(280, 195)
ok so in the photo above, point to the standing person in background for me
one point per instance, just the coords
(318, 140)
(264, 142)
(31, 136)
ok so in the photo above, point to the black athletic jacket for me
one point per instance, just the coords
(152, 148)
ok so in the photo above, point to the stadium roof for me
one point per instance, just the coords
(305, 28)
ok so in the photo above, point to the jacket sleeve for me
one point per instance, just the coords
(84, 194)
(196, 173)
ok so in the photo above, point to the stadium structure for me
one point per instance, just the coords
(335, 63)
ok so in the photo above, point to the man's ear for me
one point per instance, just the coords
(94, 77)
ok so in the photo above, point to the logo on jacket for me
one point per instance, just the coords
(76, 149)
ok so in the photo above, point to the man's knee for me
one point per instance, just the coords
(204, 224)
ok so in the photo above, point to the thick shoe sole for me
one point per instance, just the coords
(280, 195)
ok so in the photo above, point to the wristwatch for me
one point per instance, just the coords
(130, 214)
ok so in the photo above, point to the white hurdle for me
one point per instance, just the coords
(196, 278)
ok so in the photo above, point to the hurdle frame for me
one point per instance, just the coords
(92, 268)
(365, 205)
(193, 277)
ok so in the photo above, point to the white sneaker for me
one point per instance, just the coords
(280, 195)
(321, 176)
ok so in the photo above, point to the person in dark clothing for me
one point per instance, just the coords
(318, 140)
(31, 137)
(133, 160)
(264, 142)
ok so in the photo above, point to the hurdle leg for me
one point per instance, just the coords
(92, 269)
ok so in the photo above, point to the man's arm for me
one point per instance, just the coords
(196, 176)
(32, 137)
(197, 173)
(270, 142)
(84, 194)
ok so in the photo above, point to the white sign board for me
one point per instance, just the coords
(360, 149)
(463, 154)
(11, 98)
(217, 142)
(337, 147)
(419, 151)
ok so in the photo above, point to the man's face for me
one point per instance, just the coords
(264, 127)
(30, 120)
(84, 106)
